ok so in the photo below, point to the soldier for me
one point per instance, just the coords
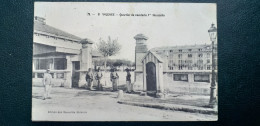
(47, 82)
(98, 77)
(114, 79)
(89, 79)
(128, 81)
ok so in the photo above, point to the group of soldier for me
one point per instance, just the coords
(90, 76)
(114, 78)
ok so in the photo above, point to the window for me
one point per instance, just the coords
(43, 64)
(36, 64)
(180, 77)
(200, 67)
(200, 49)
(200, 64)
(180, 50)
(40, 75)
(60, 63)
(190, 50)
(208, 67)
(208, 61)
(201, 78)
(200, 55)
(189, 55)
(180, 67)
(180, 55)
(170, 50)
(180, 64)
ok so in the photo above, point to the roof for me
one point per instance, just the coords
(40, 26)
(140, 36)
(182, 47)
(159, 58)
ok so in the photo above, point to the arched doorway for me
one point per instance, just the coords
(151, 78)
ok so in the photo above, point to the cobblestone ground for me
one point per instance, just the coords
(84, 105)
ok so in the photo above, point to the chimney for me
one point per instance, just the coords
(40, 19)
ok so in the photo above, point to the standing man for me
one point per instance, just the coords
(89, 79)
(98, 77)
(114, 78)
(47, 82)
(128, 81)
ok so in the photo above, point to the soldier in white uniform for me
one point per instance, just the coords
(47, 82)
(114, 79)
(128, 82)
(98, 78)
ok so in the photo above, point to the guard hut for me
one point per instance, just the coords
(153, 74)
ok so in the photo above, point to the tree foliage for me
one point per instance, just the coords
(109, 47)
(114, 62)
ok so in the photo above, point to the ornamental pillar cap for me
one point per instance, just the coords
(86, 41)
(140, 36)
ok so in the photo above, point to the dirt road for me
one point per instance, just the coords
(84, 105)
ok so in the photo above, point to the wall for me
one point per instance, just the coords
(56, 42)
(40, 49)
(185, 87)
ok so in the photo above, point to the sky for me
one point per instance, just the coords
(183, 23)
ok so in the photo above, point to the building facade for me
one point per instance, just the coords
(190, 57)
(67, 56)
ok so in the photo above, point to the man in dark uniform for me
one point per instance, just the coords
(114, 79)
(89, 79)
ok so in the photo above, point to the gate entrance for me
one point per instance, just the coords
(151, 78)
(75, 75)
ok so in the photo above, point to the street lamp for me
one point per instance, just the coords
(213, 93)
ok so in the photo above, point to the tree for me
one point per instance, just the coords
(108, 48)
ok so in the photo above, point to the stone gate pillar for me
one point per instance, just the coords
(140, 51)
(68, 74)
(85, 60)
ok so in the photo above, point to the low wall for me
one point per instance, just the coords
(56, 82)
(105, 80)
(185, 87)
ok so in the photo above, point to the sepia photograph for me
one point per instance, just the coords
(124, 61)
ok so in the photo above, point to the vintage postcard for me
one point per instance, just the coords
(119, 61)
